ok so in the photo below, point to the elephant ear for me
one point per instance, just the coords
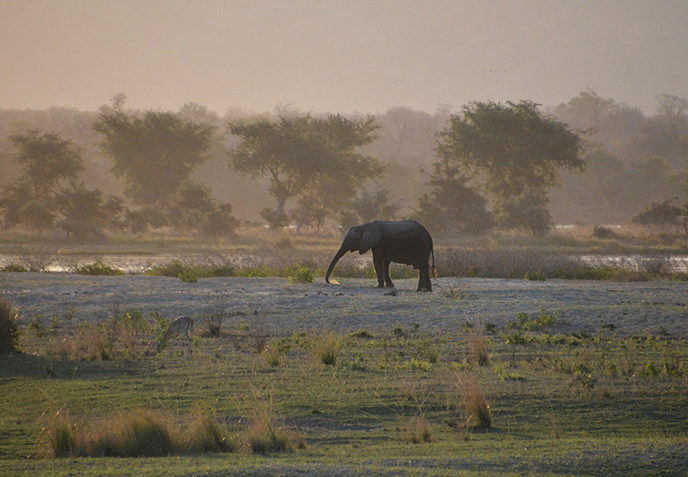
(371, 238)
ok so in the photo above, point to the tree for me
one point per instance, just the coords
(452, 206)
(310, 211)
(525, 210)
(660, 213)
(372, 205)
(514, 150)
(46, 160)
(85, 212)
(154, 154)
(305, 155)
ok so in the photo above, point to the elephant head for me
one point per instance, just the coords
(360, 238)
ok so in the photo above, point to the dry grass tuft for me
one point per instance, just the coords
(477, 409)
(416, 430)
(265, 436)
(136, 433)
(9, 331)
(326, 347)
(476, 349)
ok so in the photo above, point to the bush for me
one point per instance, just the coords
(188, 276)
(535, 276)
(524, 322)
(14, 268)
(301, 275)
(271, 355)
(172, 269)
(98, 268)
(9, 330)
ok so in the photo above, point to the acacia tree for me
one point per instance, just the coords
(155, 153)
(305, 156)
(516, 153)
(47, 162)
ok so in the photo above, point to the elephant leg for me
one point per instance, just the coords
(424, 283)
(379, 265)
(388, 279)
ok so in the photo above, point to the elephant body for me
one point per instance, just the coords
(406, 242)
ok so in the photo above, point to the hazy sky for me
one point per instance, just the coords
(338, 55)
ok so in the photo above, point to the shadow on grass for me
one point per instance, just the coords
(18, 365)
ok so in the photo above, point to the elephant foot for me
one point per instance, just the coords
(380, 285)
(390, 285)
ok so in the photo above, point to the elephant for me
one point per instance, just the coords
(405, 241)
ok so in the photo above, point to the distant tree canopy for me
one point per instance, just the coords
(368, 205)
(660, 213)
(46, 159)
(47, 162)
(451, 205)
(155, 153)
(305, 156)
(516, 152)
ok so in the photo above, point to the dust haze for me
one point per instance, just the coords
(613, 72)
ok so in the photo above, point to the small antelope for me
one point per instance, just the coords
(181, 326)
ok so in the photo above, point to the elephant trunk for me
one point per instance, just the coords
(342, 251)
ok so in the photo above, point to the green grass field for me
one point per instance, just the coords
(577, 403)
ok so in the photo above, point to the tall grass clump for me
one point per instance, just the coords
(416, 430)
(265, 436)
(137, 433)
(476, 349)
(9, 329)
(326, 347)
(205, 435)
(478, 411)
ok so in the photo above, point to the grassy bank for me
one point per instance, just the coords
(517, 398)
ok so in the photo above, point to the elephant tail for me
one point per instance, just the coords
(434, 268)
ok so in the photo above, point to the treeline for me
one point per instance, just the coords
(86, 174)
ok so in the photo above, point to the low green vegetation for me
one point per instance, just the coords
(97, 268)
(367, 401)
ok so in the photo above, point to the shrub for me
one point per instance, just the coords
(97, 268)
(327, 347)
(9, 330)
(172, 269)
(416, 430)
(301, 275)
(15, 268)
(361, 334)
(524, 322)
(271, 355)
(535, 276)
(188, 275)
